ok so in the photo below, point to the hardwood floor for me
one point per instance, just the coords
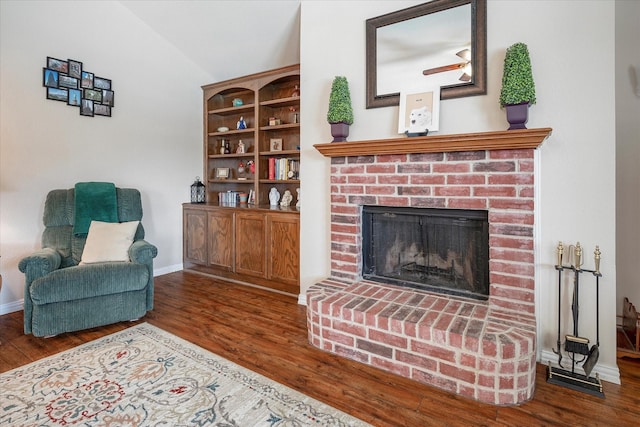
(266, 332)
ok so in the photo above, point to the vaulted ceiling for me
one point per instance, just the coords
(226, 38)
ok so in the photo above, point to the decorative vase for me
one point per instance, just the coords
(339, 131)
(517, 115)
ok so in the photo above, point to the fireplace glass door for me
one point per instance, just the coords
(438, 250)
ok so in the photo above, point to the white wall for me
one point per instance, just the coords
(152, 142)
(577, 163)
(628, 150)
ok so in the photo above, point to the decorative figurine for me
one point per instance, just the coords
(296, 91)
(274, 196)
(241, 171)
(252, 166)
(241, 123)
(286, 199)
(240, 149)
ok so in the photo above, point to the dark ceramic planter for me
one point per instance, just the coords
(339, 131)
(517, 115)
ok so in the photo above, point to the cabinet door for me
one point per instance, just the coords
(251, 253)
(284, 248)
(195, 236)
(221, 239)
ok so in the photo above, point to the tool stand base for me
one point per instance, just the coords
(575, 381)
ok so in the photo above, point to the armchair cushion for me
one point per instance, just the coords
(88, 281)
(108, 241)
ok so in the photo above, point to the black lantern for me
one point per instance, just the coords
(197, 191)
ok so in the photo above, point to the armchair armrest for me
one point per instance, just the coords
(142, 252)
(40, 263)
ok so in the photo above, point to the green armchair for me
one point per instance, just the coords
(63, 295)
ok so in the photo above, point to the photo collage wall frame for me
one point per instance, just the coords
(68, 82)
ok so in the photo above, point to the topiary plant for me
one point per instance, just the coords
(340, 109)
(517, 79)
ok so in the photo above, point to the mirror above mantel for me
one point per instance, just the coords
(427, 45)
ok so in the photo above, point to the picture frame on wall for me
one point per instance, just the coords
(87, 80)
(275, 144)
(86, 107)
(68, 82)
(50, 78)
(57, 94)
(107, 97)
(102, 110)
(74, 97)
(57, 65)
(75, 69)
(94, 95)
(419, 112)
(101, 83)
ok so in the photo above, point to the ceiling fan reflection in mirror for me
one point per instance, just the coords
(465, 66)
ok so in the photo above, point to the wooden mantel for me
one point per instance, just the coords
(501, 140)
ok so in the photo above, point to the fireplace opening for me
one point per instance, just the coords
(438, 250)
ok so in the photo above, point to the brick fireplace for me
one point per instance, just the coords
(484, 350)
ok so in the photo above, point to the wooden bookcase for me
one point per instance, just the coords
(253, 243)
(269, 95)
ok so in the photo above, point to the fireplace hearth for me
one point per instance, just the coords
(484, 349)
(440, 250)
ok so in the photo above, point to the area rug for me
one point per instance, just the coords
(144, 376)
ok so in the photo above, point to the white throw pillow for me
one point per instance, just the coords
(108, 241)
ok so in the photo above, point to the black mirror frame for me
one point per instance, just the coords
(478, 83)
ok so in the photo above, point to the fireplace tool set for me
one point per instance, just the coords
(576, 346)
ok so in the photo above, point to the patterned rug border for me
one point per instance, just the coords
(317, 412)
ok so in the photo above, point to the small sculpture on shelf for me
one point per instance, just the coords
(241, 123)
(240, 149)
(286, 199)
(296, 91)
(274, 196)
(242, 172)
(252, 167)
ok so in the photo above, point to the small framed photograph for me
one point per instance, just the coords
(101, 83)
(222, 173)
(87, 80)
(50, 78)
(276, 144)
(102, 110)
(75, 95)
(86, 107)
(107, 97)
(94, 95)
(69, 82)
(75, 69)
(419, 112)
(57, 65)
(57, 94)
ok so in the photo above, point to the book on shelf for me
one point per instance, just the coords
(283, 169)
(230, 198)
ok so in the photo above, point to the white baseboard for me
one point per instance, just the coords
(302, 299)
(167, 270)
(10, 307)
(607, 372)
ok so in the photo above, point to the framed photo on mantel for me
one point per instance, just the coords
(419, 112)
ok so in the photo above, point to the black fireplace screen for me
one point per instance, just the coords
(439, 250)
